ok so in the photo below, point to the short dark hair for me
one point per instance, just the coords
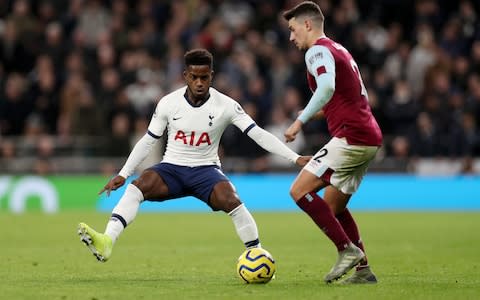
(306, 8)
(198, 57)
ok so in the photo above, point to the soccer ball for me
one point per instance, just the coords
(256, 265)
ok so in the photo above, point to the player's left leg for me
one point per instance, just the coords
(351, 229)
(338, 203)
(361, 276)
(225, 198)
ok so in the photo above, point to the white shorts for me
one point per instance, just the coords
(342, 165)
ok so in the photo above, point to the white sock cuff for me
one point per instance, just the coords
(236, 209)
(133, 189)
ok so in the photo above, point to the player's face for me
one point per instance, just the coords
(198, 79)
(298, 33)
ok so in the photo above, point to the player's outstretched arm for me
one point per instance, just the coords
(317, 116)
(269, 142)
(139, 153)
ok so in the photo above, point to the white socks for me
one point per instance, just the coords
(245, 226)
(124, 212)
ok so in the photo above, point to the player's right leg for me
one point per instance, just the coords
(363, 273)
(149, 184)
(99, 244)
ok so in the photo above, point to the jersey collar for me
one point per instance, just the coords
(323, 36)
(185, 95)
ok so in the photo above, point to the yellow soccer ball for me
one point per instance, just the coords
(256, 265)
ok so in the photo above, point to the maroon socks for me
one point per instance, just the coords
(323, 216)
(351, 229)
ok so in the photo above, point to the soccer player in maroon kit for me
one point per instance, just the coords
(339, 166)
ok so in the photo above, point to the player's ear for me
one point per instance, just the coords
(308, 24)
(185, 74)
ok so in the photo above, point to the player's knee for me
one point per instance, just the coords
(140, 185)
(150, 186)
(227, 203)
(231, 203)
(296, 193)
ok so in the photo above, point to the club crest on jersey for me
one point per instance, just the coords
(193, 139)
(211, 120)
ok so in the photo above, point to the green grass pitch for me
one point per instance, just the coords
(193, 256)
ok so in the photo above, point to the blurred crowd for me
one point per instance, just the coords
(95, 69)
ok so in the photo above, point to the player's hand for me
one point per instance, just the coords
(303, 160)
(113, 184)
(291, 132)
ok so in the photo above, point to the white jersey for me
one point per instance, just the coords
(194, 132)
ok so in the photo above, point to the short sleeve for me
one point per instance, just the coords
(159, 119)
(239, 117)
(319, 60)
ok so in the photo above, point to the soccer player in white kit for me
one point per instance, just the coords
(195, 117)
(339, 166)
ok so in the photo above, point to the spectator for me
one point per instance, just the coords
(424, 139)
(14, 54)
(92, 22)
(401, 110)
(279, 123)
(423, 55)
(14, 106)
(118, 145)
(396, 62)
(87, 119)
(144, 93)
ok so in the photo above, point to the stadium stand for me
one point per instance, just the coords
(79, 79)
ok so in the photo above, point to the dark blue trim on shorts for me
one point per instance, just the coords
(153, 135)
(249, 128)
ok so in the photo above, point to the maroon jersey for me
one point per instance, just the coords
(347, 113)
